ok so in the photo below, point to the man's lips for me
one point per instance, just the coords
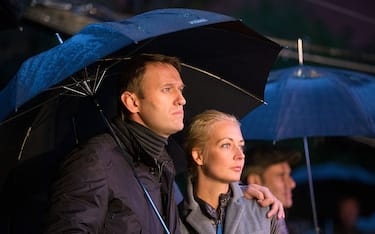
(237, 168)
(179, 112)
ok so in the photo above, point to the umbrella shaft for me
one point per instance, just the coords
(311, 187)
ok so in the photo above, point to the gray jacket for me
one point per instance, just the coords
(242, 215)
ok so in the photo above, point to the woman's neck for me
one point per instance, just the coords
(209, 190)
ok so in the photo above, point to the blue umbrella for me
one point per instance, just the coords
(308, 101)
(305, 101)
(212, 42)
(222, 58)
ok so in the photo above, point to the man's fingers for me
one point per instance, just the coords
(276, 208)
(266, 202)
(252, 192)
(265, 198)
(255, 191)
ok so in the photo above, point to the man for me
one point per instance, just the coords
(124, 183)
(271, 166)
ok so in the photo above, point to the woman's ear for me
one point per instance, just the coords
(254, 179)
(130, 101)
(197, 156)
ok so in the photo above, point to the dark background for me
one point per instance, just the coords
(340, 33)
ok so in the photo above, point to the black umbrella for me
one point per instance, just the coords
(218, 44)
(225, 67)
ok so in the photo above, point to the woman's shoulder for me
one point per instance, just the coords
(251, 204)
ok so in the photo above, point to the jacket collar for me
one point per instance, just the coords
(144, 142)
(201, 223)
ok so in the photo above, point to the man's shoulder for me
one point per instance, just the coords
(99, 140)
(95, 147)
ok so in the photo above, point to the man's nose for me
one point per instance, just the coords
(181, 99)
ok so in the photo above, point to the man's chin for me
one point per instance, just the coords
(176, 129)
(179, 126)
(288, 205)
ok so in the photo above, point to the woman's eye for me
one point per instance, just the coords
(225, 145)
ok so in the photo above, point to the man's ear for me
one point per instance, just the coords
(254, 179)
(197, 156)
(130, 101)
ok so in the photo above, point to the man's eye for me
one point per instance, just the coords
(166, 90)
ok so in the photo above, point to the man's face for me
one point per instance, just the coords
(278, 179)
(161, 107)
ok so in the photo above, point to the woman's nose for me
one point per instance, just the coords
(239, 153)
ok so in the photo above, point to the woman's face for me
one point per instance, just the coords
(222, 159)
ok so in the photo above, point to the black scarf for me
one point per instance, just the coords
(150, 149)
(144, 144)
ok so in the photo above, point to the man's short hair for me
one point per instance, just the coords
(260, 157)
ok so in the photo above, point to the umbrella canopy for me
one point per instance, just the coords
(222, 57)
(308, 101)
(216, 43)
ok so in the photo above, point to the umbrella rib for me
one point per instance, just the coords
(100, 80)
(96, 75)
(86, 90)
(85, 81)
(225, 81)
(28, 110)
(24, 143)
(74, 91)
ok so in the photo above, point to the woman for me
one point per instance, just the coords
(214, 201)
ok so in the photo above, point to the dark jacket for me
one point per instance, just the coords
(98, 193)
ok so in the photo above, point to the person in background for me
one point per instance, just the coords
(271, 166)
(214, 202)
(347, 213)
(124, 182)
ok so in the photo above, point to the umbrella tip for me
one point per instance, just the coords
(59, 38)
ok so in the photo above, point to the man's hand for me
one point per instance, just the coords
(265, 198)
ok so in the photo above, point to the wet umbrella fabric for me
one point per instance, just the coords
(230, 65)
(306, 101)
(212, 42)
